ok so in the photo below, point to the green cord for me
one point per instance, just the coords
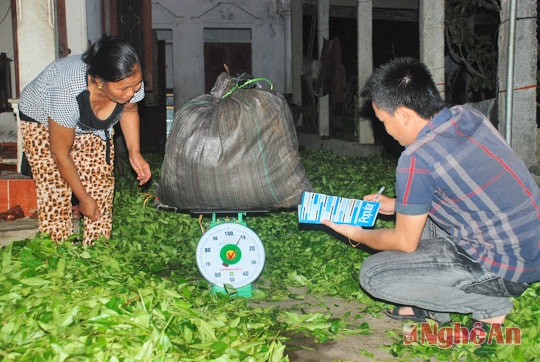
(254, 80)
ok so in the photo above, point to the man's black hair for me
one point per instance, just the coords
(404, 82)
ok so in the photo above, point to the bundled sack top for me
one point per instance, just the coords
(233, 149)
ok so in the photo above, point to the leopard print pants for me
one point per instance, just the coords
(54, 194)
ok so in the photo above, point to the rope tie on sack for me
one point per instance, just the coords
(242, 85)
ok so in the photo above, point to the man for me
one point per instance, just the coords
(467, 230)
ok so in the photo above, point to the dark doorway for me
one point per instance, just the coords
(236, 56)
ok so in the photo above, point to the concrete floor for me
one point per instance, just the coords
(369, 347)
(17, 230)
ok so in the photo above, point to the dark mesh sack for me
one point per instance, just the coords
(233, 149)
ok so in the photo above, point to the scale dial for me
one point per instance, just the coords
(230, 253)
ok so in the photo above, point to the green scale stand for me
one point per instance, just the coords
(229, 253)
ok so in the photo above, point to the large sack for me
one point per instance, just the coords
(233, 149)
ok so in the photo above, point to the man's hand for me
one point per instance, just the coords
(388, 204)
(344, 229)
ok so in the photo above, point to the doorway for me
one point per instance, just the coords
(226, 47)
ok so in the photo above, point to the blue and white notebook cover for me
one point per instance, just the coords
(316, 207)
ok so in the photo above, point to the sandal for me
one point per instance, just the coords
(419, 315)
(12, 214)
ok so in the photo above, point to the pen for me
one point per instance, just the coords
(379, 193)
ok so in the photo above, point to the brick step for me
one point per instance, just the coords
(17, 189)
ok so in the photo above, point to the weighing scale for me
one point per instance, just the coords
(229, 253)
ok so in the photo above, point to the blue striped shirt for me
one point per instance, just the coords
(462, 172)
(53, 93)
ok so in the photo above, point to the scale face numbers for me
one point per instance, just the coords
(230, 253)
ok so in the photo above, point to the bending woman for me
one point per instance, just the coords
(67, 117)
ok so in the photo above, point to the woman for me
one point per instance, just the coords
(67, 117)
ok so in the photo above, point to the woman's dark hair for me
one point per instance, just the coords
(110, 59)
(404, 82)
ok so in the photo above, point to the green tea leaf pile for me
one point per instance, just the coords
(140, 296)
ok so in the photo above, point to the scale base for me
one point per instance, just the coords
(245, 291)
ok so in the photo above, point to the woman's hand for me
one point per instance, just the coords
(61, 141)
(130, 129)
(89, 208)
(141, 167)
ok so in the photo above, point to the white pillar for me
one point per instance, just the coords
(36, 37)
(36, 44)
(431, 15)
(365, 66)
(287, 63)
(296, 51)
(77, 33)
(323, 25)
(522, 127)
